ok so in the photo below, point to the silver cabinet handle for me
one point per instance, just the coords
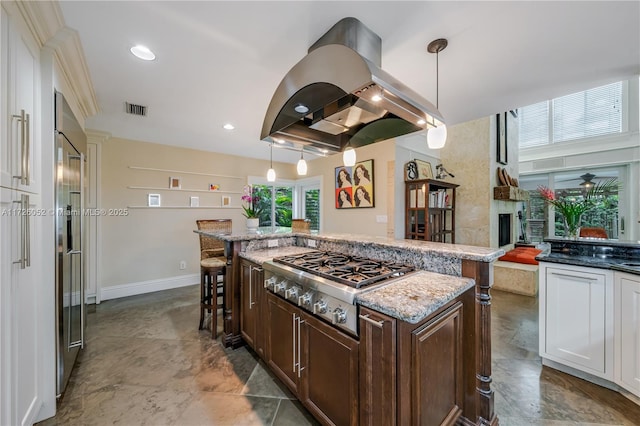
(300, 367)
(250, 287)
(378, 324)
(293, 347)
(25, 233)
(27, 165)
(23, 118)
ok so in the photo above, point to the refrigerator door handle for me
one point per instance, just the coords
(82, 283)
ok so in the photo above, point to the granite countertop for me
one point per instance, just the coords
(421, 248)
(263, 233)
(615, 263)
(261, 256)
(416, 296)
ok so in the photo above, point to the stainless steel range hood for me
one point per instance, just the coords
(338, 95)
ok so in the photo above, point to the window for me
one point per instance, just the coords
(285, 200)
(276, 204)
(570, 184)
(591, 113)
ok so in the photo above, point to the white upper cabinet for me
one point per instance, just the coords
(20, 147)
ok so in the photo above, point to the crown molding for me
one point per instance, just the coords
(46, 23)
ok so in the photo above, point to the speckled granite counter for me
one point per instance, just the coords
(261, 256)
(425, 255)
(413, 298)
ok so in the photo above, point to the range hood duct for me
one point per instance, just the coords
(348, 98)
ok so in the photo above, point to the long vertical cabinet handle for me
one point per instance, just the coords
(23, 118)
(300, 367)
(293, 347)
(27, 232)
(27, 165)
(250, 286)
(251, 301)
(24, 232)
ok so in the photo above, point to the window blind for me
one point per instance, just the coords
(594, 112)
(534, 124)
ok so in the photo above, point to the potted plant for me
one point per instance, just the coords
(572, 208)
(250, 208)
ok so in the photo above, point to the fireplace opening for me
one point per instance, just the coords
(504, 229)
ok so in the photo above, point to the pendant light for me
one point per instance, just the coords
(349, 156)
(271, 174)
(302, 165)
(437, 136)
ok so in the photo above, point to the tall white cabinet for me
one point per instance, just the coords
(20, 218)
(627, 331)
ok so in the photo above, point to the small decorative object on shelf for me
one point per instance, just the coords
(572, 208)
(174, 183)
(214, 187)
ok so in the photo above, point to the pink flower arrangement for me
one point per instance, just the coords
(251, 209)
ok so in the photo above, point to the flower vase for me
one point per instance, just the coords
(572, 226)
(252, 224)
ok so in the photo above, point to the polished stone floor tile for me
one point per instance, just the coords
(146, 363)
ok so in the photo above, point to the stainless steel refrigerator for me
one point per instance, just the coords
(71, 145)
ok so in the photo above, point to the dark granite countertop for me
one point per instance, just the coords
(595, 253)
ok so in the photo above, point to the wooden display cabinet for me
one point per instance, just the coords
(430, 208)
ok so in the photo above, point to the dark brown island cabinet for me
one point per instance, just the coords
(396, 373)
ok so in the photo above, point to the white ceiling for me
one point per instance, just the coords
(221, 61)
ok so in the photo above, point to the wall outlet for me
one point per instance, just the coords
(311, 243)
(183, 264)
(272, 243)
(381, 218)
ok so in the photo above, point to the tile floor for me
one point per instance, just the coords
(146, 363)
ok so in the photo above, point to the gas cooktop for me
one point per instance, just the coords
(353, 271)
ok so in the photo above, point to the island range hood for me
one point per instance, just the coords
(337, 95)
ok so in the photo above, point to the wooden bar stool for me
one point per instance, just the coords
(212, 267)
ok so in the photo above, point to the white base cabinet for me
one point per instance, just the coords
(576, 317)
(627, 332)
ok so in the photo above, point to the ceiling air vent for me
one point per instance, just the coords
(135, 109)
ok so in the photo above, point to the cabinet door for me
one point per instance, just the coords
(329, 371)
(628, 332)
(20, 142)
(283, 337)
(377, 369)
(20, 322)
(575, 319)
(248, 304)
(436, 366)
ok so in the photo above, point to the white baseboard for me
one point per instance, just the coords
(142, 287)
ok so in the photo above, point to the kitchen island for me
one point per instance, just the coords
(598, 338)
(399, 329)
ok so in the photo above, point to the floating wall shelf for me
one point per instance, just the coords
(153, 188)
(184, 172)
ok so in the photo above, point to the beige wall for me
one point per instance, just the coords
(148, 244)
(359, 220)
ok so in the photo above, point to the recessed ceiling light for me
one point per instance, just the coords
(302, 109)
(229, 126)
(143, 52)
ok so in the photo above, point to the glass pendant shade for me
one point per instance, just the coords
(302, 167)
(271, 175)
(349, 157)
(437, 137)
